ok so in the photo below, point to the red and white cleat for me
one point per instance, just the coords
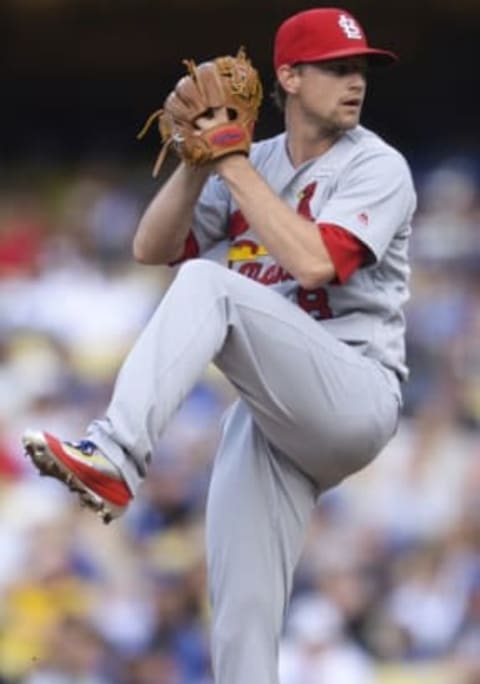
(83, 468)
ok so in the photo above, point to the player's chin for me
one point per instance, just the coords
(350, 122)
(349, 118)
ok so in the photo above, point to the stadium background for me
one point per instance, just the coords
(388, 590)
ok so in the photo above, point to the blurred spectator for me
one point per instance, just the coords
(154, 667)
(23, 229)
(316, 649)
(425, 602)
(446, 227)
(45, 592)
(75, 653)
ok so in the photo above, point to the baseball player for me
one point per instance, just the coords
(306, 323)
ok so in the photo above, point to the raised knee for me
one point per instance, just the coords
(203, 280)
(200, 269)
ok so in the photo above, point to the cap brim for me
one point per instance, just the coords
(381, 57)
(374, 56)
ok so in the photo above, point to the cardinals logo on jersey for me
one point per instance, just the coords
(245, 250)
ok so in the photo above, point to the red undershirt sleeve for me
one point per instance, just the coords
(346, 251)
(190, 251)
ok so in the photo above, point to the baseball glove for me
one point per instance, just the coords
(228, 83)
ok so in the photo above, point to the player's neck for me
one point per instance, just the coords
(306, 142)
(300, 150)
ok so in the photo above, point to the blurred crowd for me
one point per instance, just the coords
(388, 587)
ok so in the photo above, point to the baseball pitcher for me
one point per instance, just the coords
(306, 322)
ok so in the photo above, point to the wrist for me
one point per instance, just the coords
(229, 165)
(195, 177)
(200, 172)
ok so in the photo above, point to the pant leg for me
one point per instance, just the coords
(315, 407)
(183, 336)
(258, 507)
(314, 398)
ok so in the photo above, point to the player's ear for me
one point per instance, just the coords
(289, 78)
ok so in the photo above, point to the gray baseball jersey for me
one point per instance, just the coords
(361, 184)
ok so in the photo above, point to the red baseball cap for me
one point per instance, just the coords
(317, 35)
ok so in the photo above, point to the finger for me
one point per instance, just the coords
(215, 117)
(211, 82)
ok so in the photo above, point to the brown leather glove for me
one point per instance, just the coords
(227, 83)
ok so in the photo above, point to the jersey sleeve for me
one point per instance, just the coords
(210, 220)
(373, 200)
(346, 251)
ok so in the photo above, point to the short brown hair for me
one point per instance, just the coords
(278, 94)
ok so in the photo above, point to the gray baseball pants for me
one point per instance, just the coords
(311, 411)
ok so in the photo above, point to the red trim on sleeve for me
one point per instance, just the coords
(346, 251)
(190, 251)
(237, 224)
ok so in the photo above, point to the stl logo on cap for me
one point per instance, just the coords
(350, 27)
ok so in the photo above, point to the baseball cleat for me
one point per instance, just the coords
(83, 468)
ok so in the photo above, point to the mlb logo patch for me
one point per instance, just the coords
(363, 218)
